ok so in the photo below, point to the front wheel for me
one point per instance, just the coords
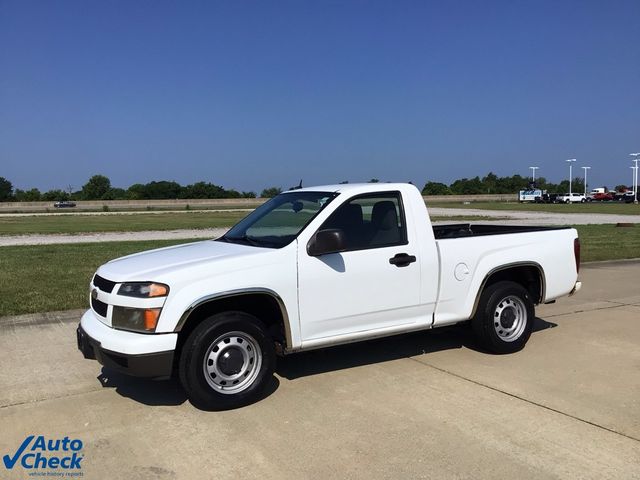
(227, 361)
(567, 201)
(504, 319)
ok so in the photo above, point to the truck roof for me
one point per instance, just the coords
(354, 187)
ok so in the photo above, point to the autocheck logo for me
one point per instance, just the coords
(39, 453)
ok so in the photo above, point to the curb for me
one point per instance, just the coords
(45, 318)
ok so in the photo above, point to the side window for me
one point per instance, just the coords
(370, 221)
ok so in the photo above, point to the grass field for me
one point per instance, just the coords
(128, 209)
(117, 223)
(56, 277)
(45, 278)
(77, 223)
(612, 208)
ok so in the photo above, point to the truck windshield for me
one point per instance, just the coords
(279, 221)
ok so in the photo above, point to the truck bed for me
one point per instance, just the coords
(459, 230)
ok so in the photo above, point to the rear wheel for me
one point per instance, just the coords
(227, 361)
(504, 319)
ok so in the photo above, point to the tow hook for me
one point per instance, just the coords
(576, 288)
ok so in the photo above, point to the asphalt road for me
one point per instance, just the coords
(425, 405)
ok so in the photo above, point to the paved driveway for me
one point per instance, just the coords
(426, 405)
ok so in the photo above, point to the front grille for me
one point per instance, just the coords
(99, 307)
(103, 284)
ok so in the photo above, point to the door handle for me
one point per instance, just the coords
(402, 260)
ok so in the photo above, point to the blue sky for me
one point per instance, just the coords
(254, 94)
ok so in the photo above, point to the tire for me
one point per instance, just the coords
(582, 200)
(567, 201)
(504, 318)
(220, 377)
(589, 200)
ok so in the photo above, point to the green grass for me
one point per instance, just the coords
(116, 223)
(463, 218)
(56, 277)
(608, 242)
(46, 278)
(613, 208)
(75, 224)
(128, 209)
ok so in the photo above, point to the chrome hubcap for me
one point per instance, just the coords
(232, 362)
(510, 318)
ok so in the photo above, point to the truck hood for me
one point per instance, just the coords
(154, 265)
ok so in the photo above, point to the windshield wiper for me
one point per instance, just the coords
(249, 240)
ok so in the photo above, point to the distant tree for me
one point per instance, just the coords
(490, 183)
(207, 190)
(32, 195)
(344, 182)
(96, 187)
(374, 180)
(563, 186)
(115, 194)
(510, 184)
(270, 192)
(621, 188)
(136, 192)
(162, 190)
(229, 193)
(466, 186)
(248, 194)
(435, 188)
(577, 186)
(6, 190)
(55, 196)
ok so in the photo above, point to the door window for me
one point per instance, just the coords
(370, 221)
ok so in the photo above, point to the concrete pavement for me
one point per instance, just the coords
(426, 405)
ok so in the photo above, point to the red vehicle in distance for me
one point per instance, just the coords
(600, 197)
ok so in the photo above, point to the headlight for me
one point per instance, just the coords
(136, 319)
(143, 289)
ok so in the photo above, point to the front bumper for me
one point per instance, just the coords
(144, 365)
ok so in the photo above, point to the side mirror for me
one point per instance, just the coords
(326, 241)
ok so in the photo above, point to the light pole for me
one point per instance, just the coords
(533, 174)
(570, 161)
(585, 180)
(635, 176)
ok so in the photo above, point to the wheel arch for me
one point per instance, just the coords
(262, 303)
(530, 275)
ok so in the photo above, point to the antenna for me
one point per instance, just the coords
(298, 187)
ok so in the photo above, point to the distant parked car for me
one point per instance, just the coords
(627, 197)
(549, 198)
(64, 204)
(600, 197)
(572, 198)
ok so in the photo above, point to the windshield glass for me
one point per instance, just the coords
(279, 221)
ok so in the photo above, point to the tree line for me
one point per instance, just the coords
(491, 183)
(99, 187)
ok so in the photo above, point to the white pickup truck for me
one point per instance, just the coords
(572, 198)
(317, 267)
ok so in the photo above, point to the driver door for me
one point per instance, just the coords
(360, 289)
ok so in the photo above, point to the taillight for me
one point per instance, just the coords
(576, 253)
